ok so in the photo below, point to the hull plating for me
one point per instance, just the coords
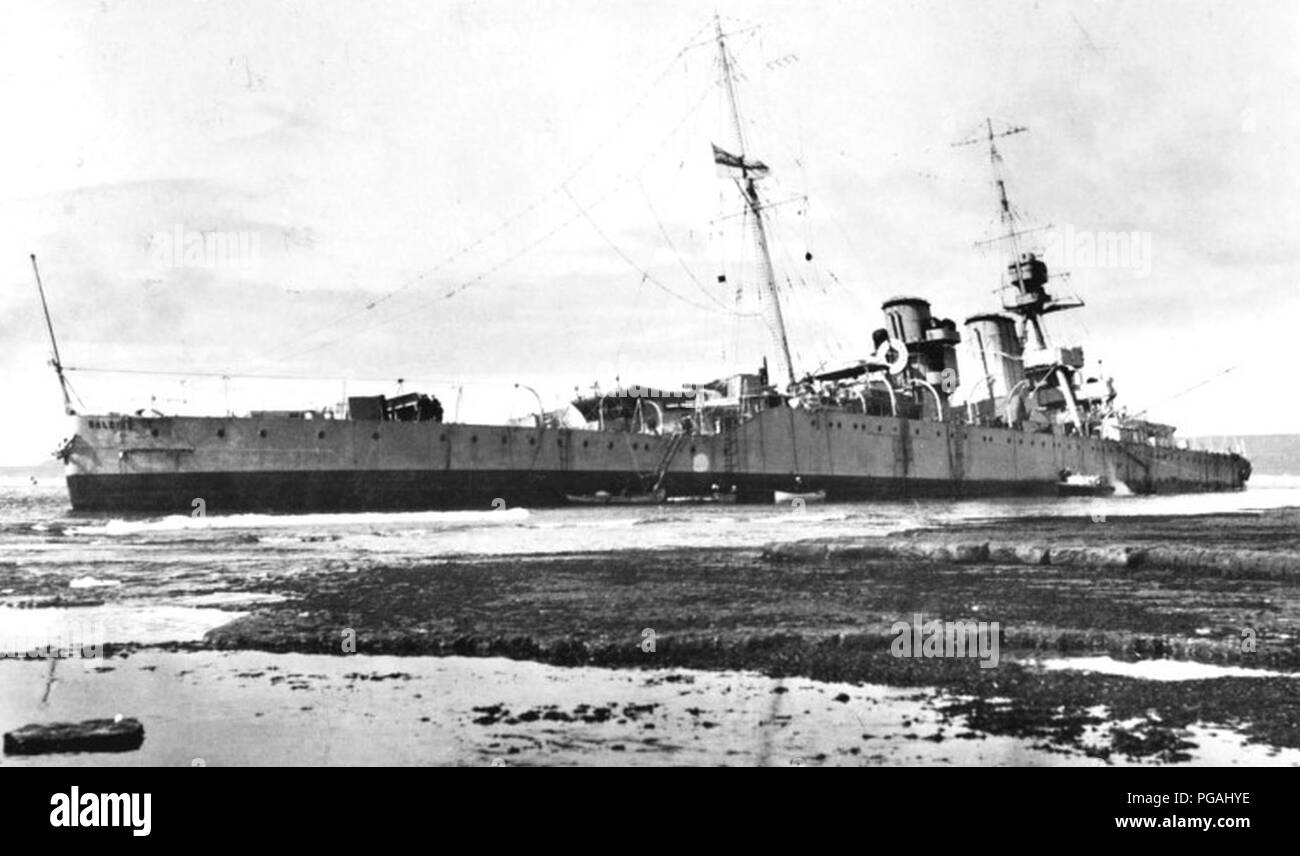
(163, 464)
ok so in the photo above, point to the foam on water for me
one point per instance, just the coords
(91, 582)
(39, 533)
(20, 629)
(185, 523)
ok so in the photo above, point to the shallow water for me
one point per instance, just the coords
(142, 563)
(1158, 670)
(223, 708)
(39, 533)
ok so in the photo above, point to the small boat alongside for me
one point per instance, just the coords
(705, 499)
(1084, 485)
(782, 497)
(603, 497)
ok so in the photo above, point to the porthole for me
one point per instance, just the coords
(261, 433)
(839, 424)
(692, 448)
(320, 435)
(532, 441)
(584, 444)
(153, 432)
(609, 445)
(473, 438)
(374, 436)
(560, 443)
(442, 438)
(221, 432)
(504, 438)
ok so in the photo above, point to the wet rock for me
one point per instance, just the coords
(849, 550)
(960, 552)
(797, 551)
(1243, 564)
(1013, 553)
(92, 735)
(1162, 744)
(916, 550)
(1097, 557)
(968, 552)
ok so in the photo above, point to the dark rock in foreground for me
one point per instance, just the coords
(92, 735)
(1217, 589)
(1233, 563)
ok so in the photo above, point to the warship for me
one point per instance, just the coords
(1033, 420)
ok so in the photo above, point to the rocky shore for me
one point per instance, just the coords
(1211, 589)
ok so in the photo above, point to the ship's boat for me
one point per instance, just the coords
(604, 497)
(784, 497)
(896, 422)
(706, 499)
(1076, 484)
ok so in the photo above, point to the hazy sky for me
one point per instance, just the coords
(534, 180)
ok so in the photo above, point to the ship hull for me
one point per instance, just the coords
(179, 465)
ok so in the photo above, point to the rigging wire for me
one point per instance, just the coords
(459, 287)
(397, 378)
(798, 294)
(598, 147)
(633, 318)
(483, 275)
(680, 260)
(646, 276)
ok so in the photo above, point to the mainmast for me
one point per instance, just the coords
(54, 344)
(749, 172)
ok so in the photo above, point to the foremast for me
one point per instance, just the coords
(745, 173)
(1025, 295)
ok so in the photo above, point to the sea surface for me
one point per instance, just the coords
(155, 579)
